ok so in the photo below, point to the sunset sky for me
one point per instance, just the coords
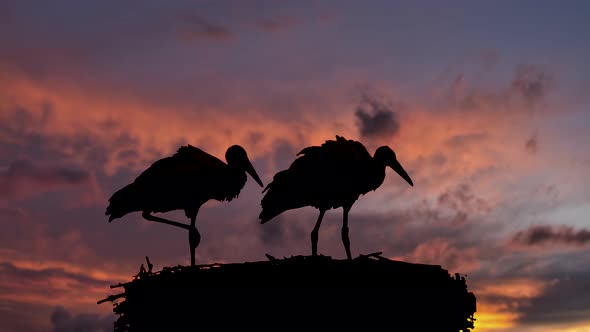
(486, 104)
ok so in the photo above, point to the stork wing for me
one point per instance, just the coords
(331, 154)
(340, 149)
(345, 150)
(188, 164)
(314, 176)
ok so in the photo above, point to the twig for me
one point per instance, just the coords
(111, 298)
(375, 254)
(122, 284)
(150, 265)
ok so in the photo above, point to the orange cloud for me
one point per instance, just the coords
(152, 128)
(515, 288)
(441, 252)
(494, 317)
(55, 284)
(500, 302)
(470, 141)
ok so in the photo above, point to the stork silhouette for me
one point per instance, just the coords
(184, 181)
(327, 177)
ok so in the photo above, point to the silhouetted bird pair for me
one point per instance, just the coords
(326, 177)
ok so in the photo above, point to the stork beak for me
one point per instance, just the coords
(250, 169)
(395, 165)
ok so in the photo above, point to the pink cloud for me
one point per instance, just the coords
(52, 285)
(441, 252)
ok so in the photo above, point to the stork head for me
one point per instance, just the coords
(386, 157)
(236, 156)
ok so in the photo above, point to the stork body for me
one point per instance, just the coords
(184, 181)
(327, 177)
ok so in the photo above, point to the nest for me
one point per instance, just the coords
(368, 293)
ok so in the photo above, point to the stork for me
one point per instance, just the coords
(327, 177)
(184, 181)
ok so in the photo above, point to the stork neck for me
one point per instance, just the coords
(378, 172)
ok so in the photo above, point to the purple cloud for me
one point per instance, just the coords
(275, 24)
(377, 118)
(531, 81)
(23, 179)
(531, 145)
(63, 320)
(195, 27)
(552, 235)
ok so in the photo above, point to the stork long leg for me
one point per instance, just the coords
(314, 233)
(147, 216)
(194, 238)
(345, 239)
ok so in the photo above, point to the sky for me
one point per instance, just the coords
(485, 103)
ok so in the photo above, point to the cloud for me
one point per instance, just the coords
(63, 320)
(284, 154)
(456, 205)
(195, 27)
(24, 317)
(23, 179)
(114, 124)
(552, 235)
(468, 139)
(275, 24)
(440, 252)
(566, 301)
(502, 300)
(404, 234)
(100, 41)
(273, 233)
(531, 81)
(40, 133)
(377, 118)
(288, 231)
(30, 275)
(531, 145)
(488, 59)
(549, 193)
(461, 197)
(12, 213)
(120, 121)
(51, 283)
